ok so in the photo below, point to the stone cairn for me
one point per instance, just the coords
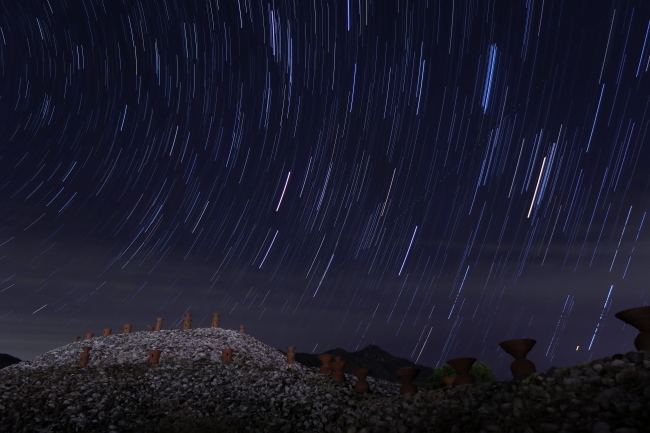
(406, 375)
(519, 348)
(640, 319)
(226, 356)
(85, 356)
(291, 356)
(361, 386)
(325, 359)
(158, 325)
(187, 321)
(154, 355)
(337, 365)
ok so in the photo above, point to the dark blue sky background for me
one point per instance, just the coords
(431, 177)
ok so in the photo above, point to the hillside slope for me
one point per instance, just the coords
(7, 360)
(381, 363)
(192, 391)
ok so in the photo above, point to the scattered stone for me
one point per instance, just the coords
(601, 427)
(192, 390)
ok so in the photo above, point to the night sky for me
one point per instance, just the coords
(433, 177)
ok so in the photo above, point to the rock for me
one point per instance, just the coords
(635, 406)
(626, 376)
(7, 360)
(603, 398)
(601, 427)
(608, 381)
(590, 409)
(546, 427)
(260, 392)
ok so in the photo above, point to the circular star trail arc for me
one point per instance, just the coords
(432, 177)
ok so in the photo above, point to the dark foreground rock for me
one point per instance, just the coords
(191, 391)
(7, 360)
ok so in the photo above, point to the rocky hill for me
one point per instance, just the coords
(7, 360)
(191, 390)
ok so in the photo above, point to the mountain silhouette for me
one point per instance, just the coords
(381, 363)
(7, 360)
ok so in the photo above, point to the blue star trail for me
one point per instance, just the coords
(432, 177)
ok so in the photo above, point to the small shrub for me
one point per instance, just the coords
(480, 371)
(421, 385)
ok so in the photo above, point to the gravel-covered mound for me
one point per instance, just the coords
(192, 391)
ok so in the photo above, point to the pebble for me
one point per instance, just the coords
(119, 391)
(546, 427)
(601, 427)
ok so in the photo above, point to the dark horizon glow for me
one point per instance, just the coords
(430, 177)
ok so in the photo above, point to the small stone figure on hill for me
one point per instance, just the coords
(158, 326)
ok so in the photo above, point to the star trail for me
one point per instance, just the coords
(433, 177)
